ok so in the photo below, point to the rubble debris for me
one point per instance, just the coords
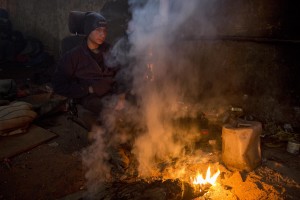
(159, 189)
(288, 128)
(53, 144)
(293, 147)
(7, 162)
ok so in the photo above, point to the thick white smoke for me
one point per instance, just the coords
(95, 158)
(160, 76)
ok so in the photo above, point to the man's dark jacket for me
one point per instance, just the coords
(77, 70)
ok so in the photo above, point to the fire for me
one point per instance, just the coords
(199, 180)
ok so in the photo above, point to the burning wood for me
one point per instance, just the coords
(164, 187)
(209, 180)
(158, 189)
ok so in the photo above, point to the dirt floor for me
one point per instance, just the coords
(49, 171)
(54, 170)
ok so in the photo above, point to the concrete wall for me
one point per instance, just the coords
(245, 47)
(258, 18)
(265, 66)
(47, 20)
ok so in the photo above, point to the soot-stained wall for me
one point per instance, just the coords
(236, 46)
(48, 20)
(245, 47)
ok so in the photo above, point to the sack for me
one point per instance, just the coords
(15, 118)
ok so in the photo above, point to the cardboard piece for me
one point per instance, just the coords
(16, 144)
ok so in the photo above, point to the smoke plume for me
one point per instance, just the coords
(162, 76)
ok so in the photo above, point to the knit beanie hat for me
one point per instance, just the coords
(92, 21)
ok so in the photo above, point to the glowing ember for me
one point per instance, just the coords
(199, 180)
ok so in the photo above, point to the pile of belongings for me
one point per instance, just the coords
(16, 48)
(17, 111)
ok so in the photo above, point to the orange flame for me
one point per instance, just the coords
(199, 180)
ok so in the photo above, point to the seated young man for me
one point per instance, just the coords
(81, 73)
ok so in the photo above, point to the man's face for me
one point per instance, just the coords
(98, 35)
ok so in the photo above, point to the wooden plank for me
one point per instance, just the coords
(16, 144)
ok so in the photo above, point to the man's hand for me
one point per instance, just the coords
(91, 90)
(102, 86)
